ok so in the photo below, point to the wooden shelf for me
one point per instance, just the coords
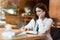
(26, 19)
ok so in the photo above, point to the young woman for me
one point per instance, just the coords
(41, 23)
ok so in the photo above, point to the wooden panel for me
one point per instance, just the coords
(12, 19)
(54, 8)
(22, 4)
(54, 11)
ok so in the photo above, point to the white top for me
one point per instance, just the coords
(44, 25)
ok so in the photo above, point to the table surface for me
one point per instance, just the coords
(25, 37)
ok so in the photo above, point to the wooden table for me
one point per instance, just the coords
(30, 37)
(25, 37)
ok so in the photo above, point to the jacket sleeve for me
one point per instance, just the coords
(30, 24)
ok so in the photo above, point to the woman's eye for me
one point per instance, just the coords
(38, 11)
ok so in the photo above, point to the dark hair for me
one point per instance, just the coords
(43, 7)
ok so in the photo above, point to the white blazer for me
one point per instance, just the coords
(44, 26)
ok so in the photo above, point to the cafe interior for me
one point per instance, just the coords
(19, 13)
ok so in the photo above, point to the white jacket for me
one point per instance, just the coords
(44, 26)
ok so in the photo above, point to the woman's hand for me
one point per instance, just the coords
(42, 15)
(20, 30)
(23, 29)
(31, 32)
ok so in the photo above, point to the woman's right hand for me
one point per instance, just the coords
(20, 30)
(23, 29)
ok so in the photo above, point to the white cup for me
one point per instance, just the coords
(8, 27)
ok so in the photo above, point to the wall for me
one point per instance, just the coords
(54, 11)
(54, 8)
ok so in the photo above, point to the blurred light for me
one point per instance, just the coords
(11, 11)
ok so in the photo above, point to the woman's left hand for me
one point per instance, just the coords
(41, 15)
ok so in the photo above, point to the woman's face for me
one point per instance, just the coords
(40, 12)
